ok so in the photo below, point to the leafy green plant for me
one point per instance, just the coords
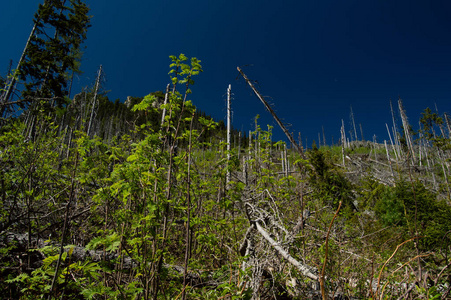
(327, 181)
(398, 207)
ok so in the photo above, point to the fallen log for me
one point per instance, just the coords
(305, 270)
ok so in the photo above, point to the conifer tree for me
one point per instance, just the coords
(52, 50)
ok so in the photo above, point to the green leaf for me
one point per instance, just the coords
(132, 158)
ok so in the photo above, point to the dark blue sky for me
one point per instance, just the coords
(313, 58)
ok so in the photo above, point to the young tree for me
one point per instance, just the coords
(52, 51)
(429, 120)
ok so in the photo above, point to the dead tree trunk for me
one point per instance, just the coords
(343, 142)
(353, 124)
(166, 96)
(405, 124)
(448, 122)
(305, 270)
(99, 74)
(389, 160)
(395, 131)
(229, 125)
(268, 107)
(393, 145)
(10, 86)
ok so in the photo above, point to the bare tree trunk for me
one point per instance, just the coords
(283, 161)
(166, 96)
(343, 142)
(407, 134)
(395, 131)
(268, 107)
(239, 145)
(344, 134)
(305, 270)
(353, 124)
(99, 74)
(448, 122)
(11, 85)
(250, 142)
(389, 160)
(391, 141)
(245, 170)
(229, 125)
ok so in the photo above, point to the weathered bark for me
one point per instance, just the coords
(10, 86)
(389, 160)
(99, 74)
(448, 122)
(229, 125)
(353, 124)
(408, 136)
(166, 96)
(268, 107)
(305, 270)
(393, 145)
(343, 142)
(395, 131)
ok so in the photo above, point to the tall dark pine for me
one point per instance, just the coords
(51, 53)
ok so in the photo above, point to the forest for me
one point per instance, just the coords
(154, 199)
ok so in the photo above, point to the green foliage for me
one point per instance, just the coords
(52, 51)
(38, 282)
(371, 192)
(329, 185)
(416, 209)
(145, 103)
(429, 120)
(147, 193)
(150, 196)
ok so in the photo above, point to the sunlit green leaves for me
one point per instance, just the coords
(110, 242)
(145, 104)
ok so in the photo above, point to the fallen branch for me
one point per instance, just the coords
(305, 270)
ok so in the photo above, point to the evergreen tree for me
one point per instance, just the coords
(429, 120)
(51, 52)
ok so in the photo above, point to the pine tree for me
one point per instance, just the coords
(51, 52)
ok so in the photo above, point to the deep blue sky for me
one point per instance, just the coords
(313, 58)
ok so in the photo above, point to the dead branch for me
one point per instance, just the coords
(305, 270)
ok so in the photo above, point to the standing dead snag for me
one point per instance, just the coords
(407, 134)
(99, 75)
(268, 107)
(229, 135)
(9, 85)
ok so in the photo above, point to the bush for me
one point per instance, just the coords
(413, 207)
